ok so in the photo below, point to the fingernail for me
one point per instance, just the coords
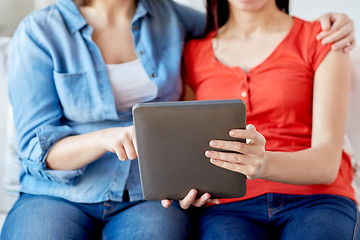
(324, 42)
(205, 197)
(250, 126)
(232, 133)
(193, 193)
(209, 154)
(213, 143)
(213, 161)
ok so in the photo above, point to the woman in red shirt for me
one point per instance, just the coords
(296, 92)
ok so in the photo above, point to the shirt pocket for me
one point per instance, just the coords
(74, 95)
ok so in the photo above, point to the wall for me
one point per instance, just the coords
(11, 12)
(310, 9)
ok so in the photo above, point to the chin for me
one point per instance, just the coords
(248, 5)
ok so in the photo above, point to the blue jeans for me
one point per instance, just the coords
(43, 218)
(279, 216)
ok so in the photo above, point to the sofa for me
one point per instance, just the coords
(9, 166)
(5, 200)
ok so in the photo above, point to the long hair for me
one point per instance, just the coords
(218, 13)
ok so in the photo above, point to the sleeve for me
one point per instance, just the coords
(193, 20)
(318, 51)
(36, 107)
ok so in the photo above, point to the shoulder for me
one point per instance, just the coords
(312, 50)
(306, 29)
(42, 24)
(43, 27)
(42, 19)
(200, 46)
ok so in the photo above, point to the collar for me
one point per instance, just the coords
(75, 21)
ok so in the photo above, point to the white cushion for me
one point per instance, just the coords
(4, 105)
(353, 122)
(352, 140)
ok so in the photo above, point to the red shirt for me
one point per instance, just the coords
(278, 94)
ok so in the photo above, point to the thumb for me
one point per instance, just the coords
(250, 126)
(325, 22)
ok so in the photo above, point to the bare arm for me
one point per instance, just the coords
(316, 165)
(77, 151)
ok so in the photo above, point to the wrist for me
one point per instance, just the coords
(267, 166)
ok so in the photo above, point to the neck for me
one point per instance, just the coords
(112, 10)
(244, 23)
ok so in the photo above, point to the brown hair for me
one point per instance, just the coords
(218, 13)
(82, 2)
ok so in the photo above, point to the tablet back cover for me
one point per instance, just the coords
(172, 138)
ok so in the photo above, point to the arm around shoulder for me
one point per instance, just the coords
(193, 20)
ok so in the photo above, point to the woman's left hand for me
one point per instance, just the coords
(337, 28)
(246, 158)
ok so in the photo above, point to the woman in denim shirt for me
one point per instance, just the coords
(72, 82)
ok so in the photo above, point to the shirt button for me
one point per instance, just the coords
(135, 27)
(153, 75)
(244, 94)
(142, 52)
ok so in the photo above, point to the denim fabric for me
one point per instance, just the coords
(59, 86)
(278, 216)
(36, 217)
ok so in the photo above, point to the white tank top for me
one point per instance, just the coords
(130, 84)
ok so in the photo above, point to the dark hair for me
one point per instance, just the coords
(82, 2)
(218, 13)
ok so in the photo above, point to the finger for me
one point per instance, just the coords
(325, 22)
(202, 200)
(235, 146)
(166, 203)
(121, 153)
(249, 172)
(244, 133)
(189, 199)
(323, 34)
(240, 168)
(339, 20)
(236, 158)
(340, 44)
(348, 49)
(335, 36)
(130, 150)
(348, 43)
(214, 201)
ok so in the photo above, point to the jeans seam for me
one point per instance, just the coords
(356, 224)
(268, 207)
(274, 209)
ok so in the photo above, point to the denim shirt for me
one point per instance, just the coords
(59, 86)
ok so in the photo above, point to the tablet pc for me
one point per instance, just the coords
(172, 138)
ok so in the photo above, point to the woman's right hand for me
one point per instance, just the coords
(121, 141)
(191, 199)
